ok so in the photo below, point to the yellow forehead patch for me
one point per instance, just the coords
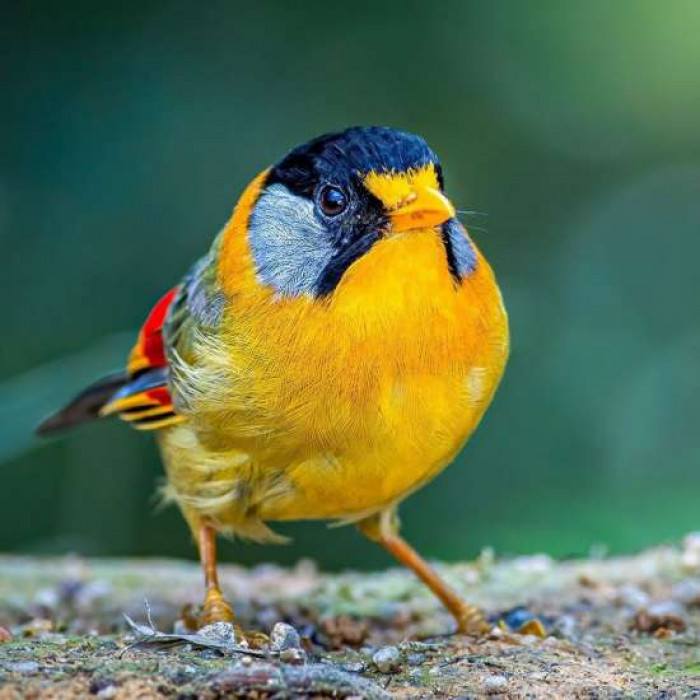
(394, 189)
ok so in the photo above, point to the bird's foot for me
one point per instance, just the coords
(216, 609)
(470, 620)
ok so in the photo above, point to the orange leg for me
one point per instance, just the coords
(470, 620)
(216, 609)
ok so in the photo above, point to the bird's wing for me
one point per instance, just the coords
(188, 312)
(144, 399)
(144, 394)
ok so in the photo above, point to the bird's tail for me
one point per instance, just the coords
(142, 399)
(86, 406)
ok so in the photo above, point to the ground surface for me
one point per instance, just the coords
(618, 627)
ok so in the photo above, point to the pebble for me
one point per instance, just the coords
(667, 608)
(223, 632)
(23, 666)
(667, 615)
(180, 627)
(387, 659)
(415, 659)
(37, 627)
(495, 684)
(106, 693)
(533, 628)
(355, 667)
(179, 675)
(92, 595)
(47, 598)
(284, 636)
(688, 592)
(517, 618)
(633, 597)
(566, 626)
(293, 656)
(690, 557)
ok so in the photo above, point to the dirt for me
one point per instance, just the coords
(596, 628)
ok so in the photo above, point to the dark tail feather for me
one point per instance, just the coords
(85, 406)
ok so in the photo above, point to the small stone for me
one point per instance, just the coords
(23, 666)
(5, 634)
(517, 617)
(355, 667)
(690, 557)
(587, 581)
(344, 630)
(495, 684)
(666, 607)
(100, 683)
(533, 628)
(284, 636)
(566, 626)
(667, 615)
(415, 659)
(93, 595)
(179, 675)
(632, 597)
(223, 632)
(106, 693)
(180, 627)
(47, 598)
(37, 627)
(293, 656)
(688, 592)
(387, 659)
(663, 633)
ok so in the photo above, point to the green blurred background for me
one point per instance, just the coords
(129, 131)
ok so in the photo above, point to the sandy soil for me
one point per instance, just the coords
(596, 628)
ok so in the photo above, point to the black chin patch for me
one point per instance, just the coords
(336, 268)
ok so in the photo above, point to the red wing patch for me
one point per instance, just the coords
(145, 401)
(149, 351)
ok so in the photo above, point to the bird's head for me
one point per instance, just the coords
(328, 203)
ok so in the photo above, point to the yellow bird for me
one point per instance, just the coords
(329, 355)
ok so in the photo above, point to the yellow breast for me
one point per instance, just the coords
(335, 408)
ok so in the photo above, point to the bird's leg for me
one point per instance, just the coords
(383, 529)
(216, 609)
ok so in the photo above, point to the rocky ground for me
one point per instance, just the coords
(596, 628)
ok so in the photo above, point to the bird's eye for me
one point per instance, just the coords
(332, 200)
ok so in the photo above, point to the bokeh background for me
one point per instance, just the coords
(571, 128)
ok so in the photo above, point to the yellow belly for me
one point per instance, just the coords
(339, 409)
(420, 424)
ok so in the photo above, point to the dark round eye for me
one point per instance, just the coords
(332, 200)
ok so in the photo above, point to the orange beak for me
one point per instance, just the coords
(423, 208)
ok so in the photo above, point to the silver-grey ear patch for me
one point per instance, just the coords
(290, 247)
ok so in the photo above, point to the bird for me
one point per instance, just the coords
(328, 356)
